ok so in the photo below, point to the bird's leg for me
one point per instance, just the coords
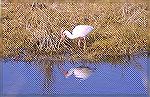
(84, 43)
(79, 42)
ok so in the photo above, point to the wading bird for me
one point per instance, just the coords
(79, 32)
(81, 72)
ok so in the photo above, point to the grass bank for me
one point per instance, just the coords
(120, 29)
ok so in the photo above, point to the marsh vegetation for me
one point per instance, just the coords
(33, 29)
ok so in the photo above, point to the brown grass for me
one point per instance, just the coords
(120, 28)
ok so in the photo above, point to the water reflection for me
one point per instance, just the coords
(103, 77)
(82, 72)
(48, 73)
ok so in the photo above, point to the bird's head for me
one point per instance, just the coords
(64, 34)
(66, 74)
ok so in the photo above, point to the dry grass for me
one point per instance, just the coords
(120, 28)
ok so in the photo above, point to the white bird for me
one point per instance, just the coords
(79, 31)
(81, 72)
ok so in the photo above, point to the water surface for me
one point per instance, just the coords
(26, 78)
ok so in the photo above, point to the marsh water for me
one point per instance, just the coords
(132, 77)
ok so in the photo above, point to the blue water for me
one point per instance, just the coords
(107, 80)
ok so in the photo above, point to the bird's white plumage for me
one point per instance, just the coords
(82, 30)
(79, 31)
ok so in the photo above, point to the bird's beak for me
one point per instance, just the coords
(62, 38)
(65, 74)
(62, 35)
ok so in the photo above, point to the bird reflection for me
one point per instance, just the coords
(81, 72)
